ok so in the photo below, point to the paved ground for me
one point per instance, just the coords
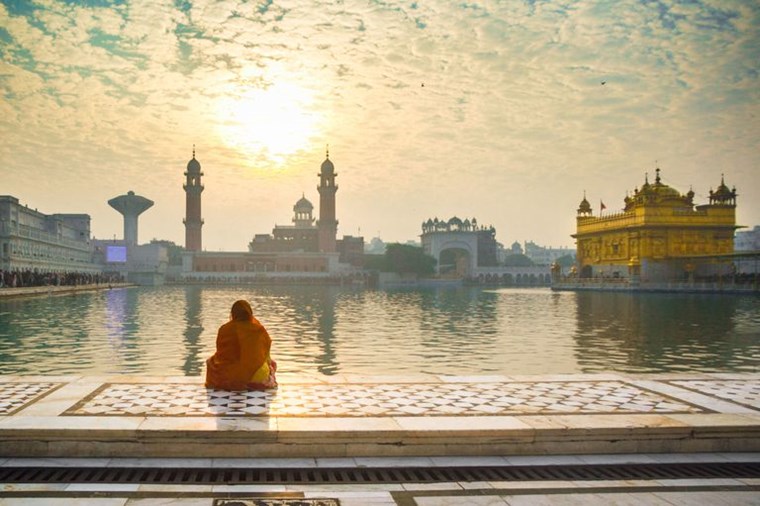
(410, 421)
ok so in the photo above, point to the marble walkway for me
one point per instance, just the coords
(409, 421)
(347, 416)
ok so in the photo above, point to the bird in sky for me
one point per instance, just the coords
(604, 82)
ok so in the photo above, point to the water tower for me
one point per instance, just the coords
(130, 206)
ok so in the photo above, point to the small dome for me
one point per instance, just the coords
(193, 165)
(584, 207)
(327, 166)
(722, 190)
(303, 205)
(455, 221)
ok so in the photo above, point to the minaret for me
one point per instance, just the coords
(327, 224)
(193, 221)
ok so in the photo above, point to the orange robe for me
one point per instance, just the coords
(242, 348)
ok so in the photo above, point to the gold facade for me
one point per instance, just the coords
(659, 233)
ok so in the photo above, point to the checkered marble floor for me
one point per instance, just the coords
(744, 392)
(16, 395)
(381, 400)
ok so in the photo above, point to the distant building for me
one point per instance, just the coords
(307, 248)
(31, 240)
(459, 246)
(659, 236)
(303, 235)
(351, 250)
(143, 264)
(541, 255)
(375, 247)
(747, 240)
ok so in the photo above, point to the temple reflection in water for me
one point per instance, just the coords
(330, 330)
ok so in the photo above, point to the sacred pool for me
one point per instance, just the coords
(335, 330)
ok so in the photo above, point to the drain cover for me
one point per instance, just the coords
(247, 475)
(276, 502)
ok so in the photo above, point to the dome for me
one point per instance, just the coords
(303, 205)
(663, 190)
(584, 207)
(723, 195)
(327, 166)
(722, 190)
(455, 222)
(193, 165)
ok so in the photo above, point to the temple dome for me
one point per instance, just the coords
(455, 222)
(664, 190)
(303, 205)
(584, 207)
(722, 190)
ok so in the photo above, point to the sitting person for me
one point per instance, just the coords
(242, 360)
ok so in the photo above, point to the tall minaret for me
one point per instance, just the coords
(327, 224)
(193, 221)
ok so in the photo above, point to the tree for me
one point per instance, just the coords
(173, 250)
(403, 259)
(566, 260)
(518, 260)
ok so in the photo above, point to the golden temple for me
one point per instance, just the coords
(660, 236)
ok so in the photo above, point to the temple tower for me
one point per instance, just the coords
(327, 224)
(193, 221)
(130, 206)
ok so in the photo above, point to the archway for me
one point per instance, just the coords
(454, 263)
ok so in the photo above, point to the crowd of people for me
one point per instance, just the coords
(28, 277)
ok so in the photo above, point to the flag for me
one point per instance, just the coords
(602, 207)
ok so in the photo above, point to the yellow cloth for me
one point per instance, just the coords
(262, 373)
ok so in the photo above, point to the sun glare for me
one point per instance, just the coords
(268, 123)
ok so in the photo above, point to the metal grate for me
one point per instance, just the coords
(204, 476)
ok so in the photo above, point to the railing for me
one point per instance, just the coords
(27, 232)
(732, 285)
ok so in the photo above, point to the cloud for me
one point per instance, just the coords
(478, 105)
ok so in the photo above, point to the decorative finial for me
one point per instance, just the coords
(327, 150)
(657, 179)
(646, 178)
(721, 179)
(193, 151)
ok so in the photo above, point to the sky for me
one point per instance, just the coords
(506, 111)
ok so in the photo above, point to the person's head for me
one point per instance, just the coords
(241, 310)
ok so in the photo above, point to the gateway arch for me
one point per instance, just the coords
(459, 247)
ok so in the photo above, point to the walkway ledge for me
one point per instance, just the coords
(48, 290)
(353, 416)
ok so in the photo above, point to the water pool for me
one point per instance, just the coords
(334, 330)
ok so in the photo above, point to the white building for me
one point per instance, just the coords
(748, 240)
(541, 255)
(31, 240)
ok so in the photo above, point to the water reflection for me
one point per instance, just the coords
(193, 364)
(333, 330)
(664, 332)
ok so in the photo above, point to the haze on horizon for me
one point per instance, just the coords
(504, 111)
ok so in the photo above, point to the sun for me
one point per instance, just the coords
(268, 123)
